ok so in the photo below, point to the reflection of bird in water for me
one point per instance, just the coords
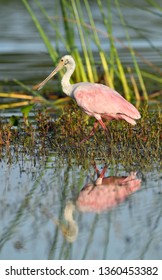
(102, 195)
(107, 192)
(96, 100)
(69, 229)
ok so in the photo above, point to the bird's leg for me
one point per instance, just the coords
(91, 133)
(101, 177)
(103, 172)
(105, 129)
(96, 169)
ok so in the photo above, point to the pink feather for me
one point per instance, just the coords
(100, 101)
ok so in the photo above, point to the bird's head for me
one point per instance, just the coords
(66, 61)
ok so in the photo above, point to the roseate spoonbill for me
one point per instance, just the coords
(106, 192)
(95, 99)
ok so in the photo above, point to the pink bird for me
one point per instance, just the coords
(106, 192)
(96, 100)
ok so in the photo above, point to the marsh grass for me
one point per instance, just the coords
(132, 147)
(132, 81)
(77, 16)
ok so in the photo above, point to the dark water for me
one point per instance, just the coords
(34, 196)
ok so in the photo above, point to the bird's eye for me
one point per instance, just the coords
(66, 62)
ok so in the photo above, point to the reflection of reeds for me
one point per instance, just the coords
(12, 227)
(110, 62)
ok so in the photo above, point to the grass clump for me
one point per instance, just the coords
(137, 147)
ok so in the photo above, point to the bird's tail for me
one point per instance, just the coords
(128, 119)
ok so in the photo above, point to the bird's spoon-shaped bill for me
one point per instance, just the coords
(54, 72)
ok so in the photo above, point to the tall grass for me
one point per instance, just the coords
(50, 48)
(114, 57)
(77, 17)
(132, 51)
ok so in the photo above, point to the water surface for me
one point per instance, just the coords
(33, 201)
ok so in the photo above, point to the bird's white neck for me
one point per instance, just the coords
(65, 82)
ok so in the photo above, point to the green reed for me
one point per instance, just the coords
(132, 51)
(50, 48)
(77, 16)
(114, 57)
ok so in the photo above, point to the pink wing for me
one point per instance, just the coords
(99, 99)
